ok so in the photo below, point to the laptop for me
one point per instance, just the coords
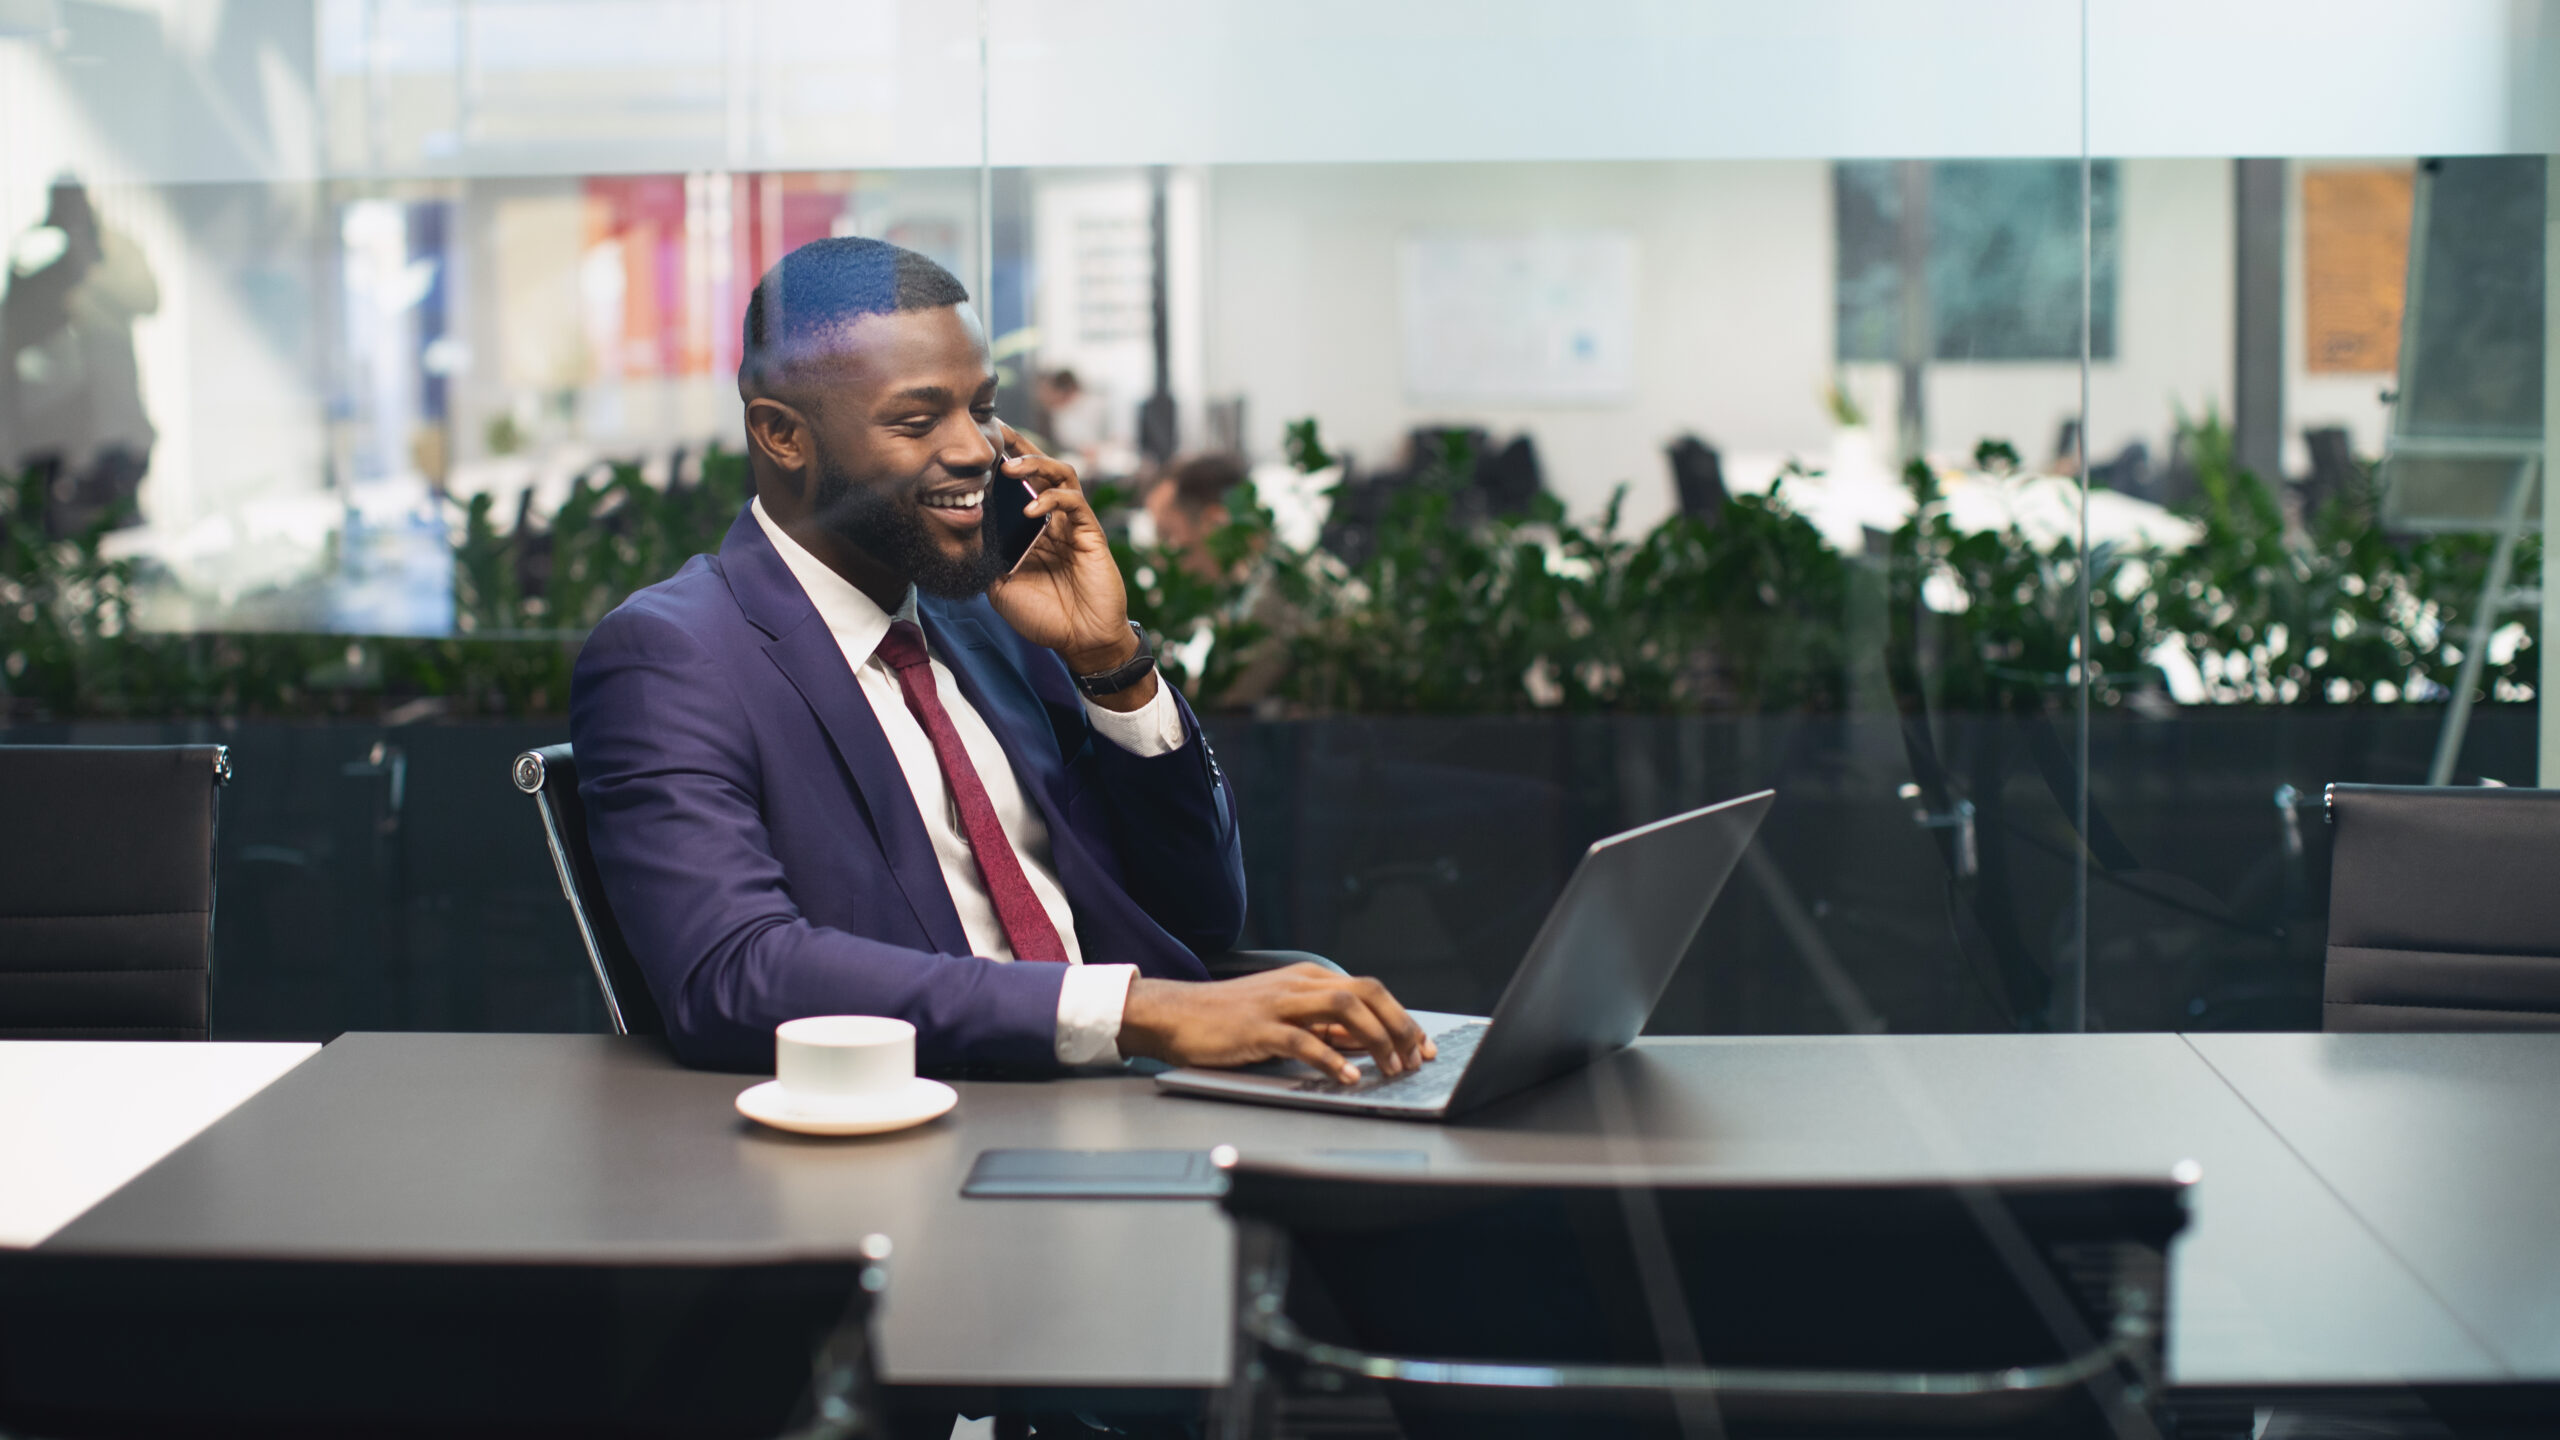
(1590, 981)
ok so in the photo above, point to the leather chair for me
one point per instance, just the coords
(106, 890)
(550, 776)
(1547, 1300)
(709, 1348)
(2444, 913)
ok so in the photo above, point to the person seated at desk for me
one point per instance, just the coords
(848, 766)
(1188, 504)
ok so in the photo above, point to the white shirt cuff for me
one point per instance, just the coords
(1089, 1006)
(1152, 729)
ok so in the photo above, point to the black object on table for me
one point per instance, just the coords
(1094, 1175)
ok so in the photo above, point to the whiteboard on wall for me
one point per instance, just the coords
(1523, 316)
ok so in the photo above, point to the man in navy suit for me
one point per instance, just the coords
(850, 766)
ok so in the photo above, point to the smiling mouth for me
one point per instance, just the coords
(954, 500)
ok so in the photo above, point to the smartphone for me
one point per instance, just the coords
(1006, 530)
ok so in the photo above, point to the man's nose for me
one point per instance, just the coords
(977, 451)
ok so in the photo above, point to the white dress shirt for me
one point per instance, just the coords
(1090, 1002)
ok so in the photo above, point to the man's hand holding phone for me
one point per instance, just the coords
(1063, 590)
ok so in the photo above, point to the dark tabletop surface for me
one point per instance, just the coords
(526, 1146)
(2446, 1146)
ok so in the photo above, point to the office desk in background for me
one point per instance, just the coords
(469, 1146)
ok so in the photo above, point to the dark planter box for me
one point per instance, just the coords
(379, 878)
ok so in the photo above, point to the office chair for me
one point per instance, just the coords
(1507, 480)
(106, 890)
(550, 776)
(486, 1346)
(2442, 910)
(1545, 1301)
(1697, 474)
(2334, 471)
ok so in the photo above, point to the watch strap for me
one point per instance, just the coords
(1121, 677)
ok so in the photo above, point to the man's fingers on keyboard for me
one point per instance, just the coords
(1411, 1045)
(1352, 1008)
(1342, 1039)
(1298, 1044)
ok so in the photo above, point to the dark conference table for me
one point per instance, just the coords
(2374, 1211)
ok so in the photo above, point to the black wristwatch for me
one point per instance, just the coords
(1121, 677)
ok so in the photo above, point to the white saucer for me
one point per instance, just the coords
(913, 1103)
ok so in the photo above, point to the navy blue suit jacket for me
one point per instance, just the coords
(766, 860)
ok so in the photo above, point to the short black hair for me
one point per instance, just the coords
(813, 292)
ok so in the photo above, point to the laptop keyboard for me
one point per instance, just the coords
(1432, 1082)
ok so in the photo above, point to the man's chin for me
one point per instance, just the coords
(957, 573)
(945, 566)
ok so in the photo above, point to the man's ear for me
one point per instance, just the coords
(778, 432)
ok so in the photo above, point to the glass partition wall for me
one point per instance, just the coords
(2358, 595)
(1517, 430)
(1634, 413)
(1518, 427)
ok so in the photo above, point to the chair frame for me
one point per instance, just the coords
(1262, 1319)
(532, 775)
(2120, 1363)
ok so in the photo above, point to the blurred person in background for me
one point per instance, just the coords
(1188, 504)
(70, 387)
(1071, 417)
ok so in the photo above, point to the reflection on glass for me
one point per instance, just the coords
(1734, 440)
(70, 388)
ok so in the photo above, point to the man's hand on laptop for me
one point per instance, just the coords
(1301, 1012)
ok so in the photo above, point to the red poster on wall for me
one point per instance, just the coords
(690, 249)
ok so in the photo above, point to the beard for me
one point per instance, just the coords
(884, 522)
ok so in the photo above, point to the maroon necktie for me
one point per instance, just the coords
(1026, 924)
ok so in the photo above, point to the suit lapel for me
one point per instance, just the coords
(1004, 699)
(808, 656)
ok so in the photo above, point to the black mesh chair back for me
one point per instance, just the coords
(550, 776)
(2443, 914)
(1557, 1301)
(106, 890)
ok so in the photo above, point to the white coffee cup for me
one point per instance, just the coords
(834, 1062)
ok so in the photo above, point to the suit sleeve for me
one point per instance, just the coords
(672, 781)
(1173, 827)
